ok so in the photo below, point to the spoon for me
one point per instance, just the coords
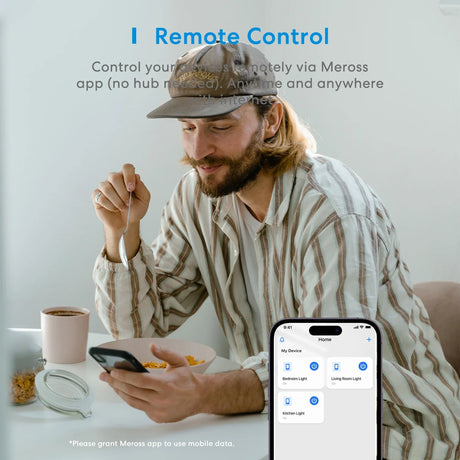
(121, 244)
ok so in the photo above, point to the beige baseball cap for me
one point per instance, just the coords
(213, 80)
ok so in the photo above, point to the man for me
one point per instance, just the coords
(268, 230)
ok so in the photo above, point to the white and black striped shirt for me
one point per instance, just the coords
(327, 248)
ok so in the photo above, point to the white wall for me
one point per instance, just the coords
(60, 141)
(4, 435)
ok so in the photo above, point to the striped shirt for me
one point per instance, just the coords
(327, 248)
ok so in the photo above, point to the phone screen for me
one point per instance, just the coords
(325, 390)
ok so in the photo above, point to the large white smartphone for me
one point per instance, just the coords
(325, 389)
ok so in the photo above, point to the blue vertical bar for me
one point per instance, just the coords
(133, 35)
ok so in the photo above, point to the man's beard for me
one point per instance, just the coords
(241, 171)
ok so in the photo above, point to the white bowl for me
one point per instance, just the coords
(140, 349)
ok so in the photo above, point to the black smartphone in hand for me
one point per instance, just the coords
(111, 359)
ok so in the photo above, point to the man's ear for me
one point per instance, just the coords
(272, 120)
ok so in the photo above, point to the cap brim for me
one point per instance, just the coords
(199, 107)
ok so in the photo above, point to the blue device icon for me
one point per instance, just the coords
(362, 366)
(314, 366)
(314, 400)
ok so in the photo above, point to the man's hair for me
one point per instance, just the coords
(291, 143)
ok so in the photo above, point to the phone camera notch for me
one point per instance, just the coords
(325, 330)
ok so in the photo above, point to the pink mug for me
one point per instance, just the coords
(64, 334)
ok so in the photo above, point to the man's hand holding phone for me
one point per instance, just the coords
(172, 396)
